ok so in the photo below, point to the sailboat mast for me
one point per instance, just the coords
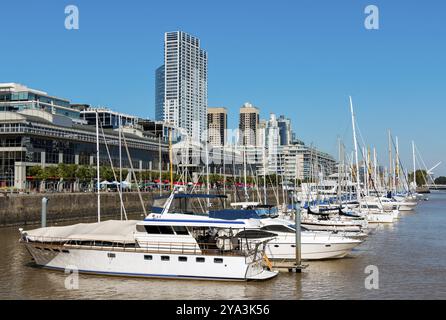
(207, 172)
(397, 167)
(339, 170)
(171, 159)
(365, 163)
(97, 166)
(120, 160)
(244, 173)
(159, 162)
(414, 166)
(264, 175)
(224, 169)
(358, 183)
(390, 164)
(375, 167)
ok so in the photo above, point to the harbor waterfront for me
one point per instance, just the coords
(409, 254)
(25, 209)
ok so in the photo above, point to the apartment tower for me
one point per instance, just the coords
(185, 76)
(248, 125)
(217, 125)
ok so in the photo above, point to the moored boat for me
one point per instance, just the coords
(174, 246)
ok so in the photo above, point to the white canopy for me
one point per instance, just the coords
(111, 230)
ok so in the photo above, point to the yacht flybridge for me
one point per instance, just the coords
(180, 246)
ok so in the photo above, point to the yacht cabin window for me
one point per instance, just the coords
(155, 229)
(278, 228)
(150, 229)
(180, 230)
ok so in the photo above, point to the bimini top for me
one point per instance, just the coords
(173, 219)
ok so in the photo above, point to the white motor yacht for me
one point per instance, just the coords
(315, 245)
(174, 246)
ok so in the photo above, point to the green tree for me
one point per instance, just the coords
(421, 177)
(106, 173)
(35, 171)
(48, 173)
(440, 180)
(85, 173)
(67, 171)
(215, 178)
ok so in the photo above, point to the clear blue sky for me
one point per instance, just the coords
(298, 58)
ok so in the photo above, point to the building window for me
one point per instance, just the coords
(199, 259)
(148, 257)
(165, 258)
(182, 259)
(218, 260)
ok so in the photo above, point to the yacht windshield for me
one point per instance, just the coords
(188, 204)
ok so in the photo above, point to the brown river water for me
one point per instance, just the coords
(410, 256)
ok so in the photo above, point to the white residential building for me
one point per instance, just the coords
(185, 76)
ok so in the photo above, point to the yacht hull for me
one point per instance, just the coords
(380, 217)
(316, 226)
(314, 246)
(313, 251)
(138, 264)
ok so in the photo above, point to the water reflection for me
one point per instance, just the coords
(410, 256)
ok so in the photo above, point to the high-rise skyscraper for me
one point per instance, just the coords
(272, 142)
(159, 93)
(185, 97)
(249, 122)
(285, 132)
(217, 125)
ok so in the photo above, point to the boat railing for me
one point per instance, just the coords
(140, 246)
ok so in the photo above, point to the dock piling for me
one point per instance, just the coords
(44, 206)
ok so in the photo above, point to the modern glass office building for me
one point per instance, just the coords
(285, 132)
(159, 93)
(36, 137)
(109, 119)
(185, 95)
(17, 97)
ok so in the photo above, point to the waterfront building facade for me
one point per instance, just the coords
(16, 97)
(306, 163)
(38, 138)
(185, 79)
(108, 118)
